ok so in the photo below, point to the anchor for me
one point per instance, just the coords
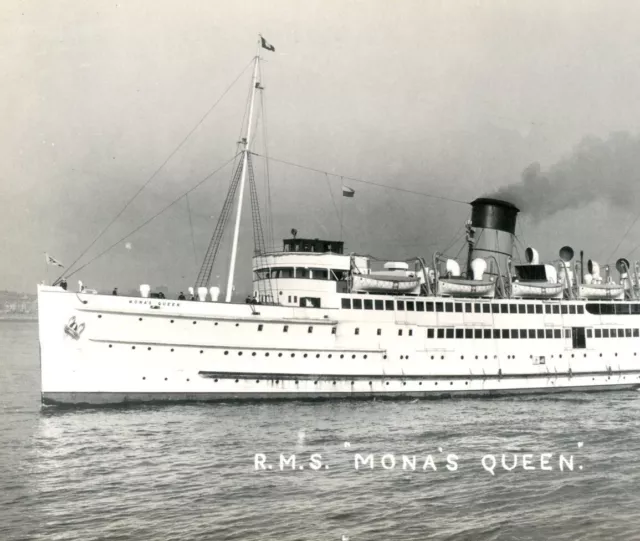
(73, 329)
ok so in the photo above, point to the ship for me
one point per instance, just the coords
(323, 323)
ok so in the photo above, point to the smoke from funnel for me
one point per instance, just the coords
(598, 170)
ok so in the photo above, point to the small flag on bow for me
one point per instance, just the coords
(347, 192)
(52, 261)
(266, 45)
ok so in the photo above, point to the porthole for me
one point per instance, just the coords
(257, 381)
(187, 379)
(436, 383)
(387, 383)
(401, 357)
(171, 349)
(296, 382)
(441, 356)
(364, 356)
(353, 356)
(329, 356)
(253, 354)
(384, 356)
(194, 322)
(432, 357)
(404, 383)
(237, 381)
(279, 354)
(237, 324)
(165, 379)
(144, 377)
(277, 381)
(215, 323)
(352, 382)
(149, 349)
(341, 356)
(601, 355)
(616, 354)
(466, 383)
(370, 383)
(485, 356)
(110, 346)
(139, 319)
(99, 316)
(201, 351)
(239, 353)
(133, 347)
(226, 353)
(315, 383)
(462, 357)
(420, 383)
(334, 382)
(293, 355)
(215, 380)
(266, 354)
(317, 355)
(172, 321)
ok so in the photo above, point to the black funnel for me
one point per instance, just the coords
(489, 213)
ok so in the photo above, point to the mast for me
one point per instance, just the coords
(246, 141)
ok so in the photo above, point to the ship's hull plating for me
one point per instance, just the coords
(109, 350)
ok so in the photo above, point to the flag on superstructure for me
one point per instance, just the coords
(266, 45)
(347, 192)
(52, 261)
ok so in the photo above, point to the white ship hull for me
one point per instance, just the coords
(134, 349)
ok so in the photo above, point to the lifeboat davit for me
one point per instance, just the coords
(536, 290)
(381, 283)
(459, 287)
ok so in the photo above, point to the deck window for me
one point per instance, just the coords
(547, 309)
(505, 333)
(538, 309)
(605, 333)
(532, 333)
(487, 334)
(420, 306)
(523, 333)
(636, 333)
(310, 330)
(411, 332)
(614, 333)
(556, 309)
(504, 308)
(635, 308)
(388, 305)
(379, 332)
(439, 307)
(548, 333)
(557, 333)
(357, 331)
(572, 309)
(468, 333)
(496, 334)
(530, 309)
(486, 308)
(514, 333)
(564, 309)
(429, 306)
(580, 309)
(410, 306)
(368, 304)
(400, 305)
(458, 307)
(495, 308)
(357, 304)
(477, 334)
(467, 307)
(627, 333)
(460, 333)
(513, 308)
(589, 333)
(379, 304)
(285, 328)
(567, 333)
(448, 306)
(598, 333)
(522, 309)
(449, 333)
(430, 333)
(440, 333)
(540, 333)
(399, 332)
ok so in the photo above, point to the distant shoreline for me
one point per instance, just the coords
(21, 317)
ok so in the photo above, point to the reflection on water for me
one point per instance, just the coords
(187, 471)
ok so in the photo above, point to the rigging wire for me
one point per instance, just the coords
(623, 237)
(202, 181)
(155, 173)
(440, 197)
(193, 240)
(332, 198)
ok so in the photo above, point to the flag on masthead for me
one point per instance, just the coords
(52, 261)
(347, 192)
(266, 45)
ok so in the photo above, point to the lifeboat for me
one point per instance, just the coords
(536, 290)
(371, 283)
(458, 287)
(601, 291)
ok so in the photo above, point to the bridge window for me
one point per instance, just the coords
(357, 304)
(310, 302)
(282, 272)
(346, 303)
(635, 308)
(319, 274)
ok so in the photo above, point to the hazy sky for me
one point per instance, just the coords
(450, 98)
